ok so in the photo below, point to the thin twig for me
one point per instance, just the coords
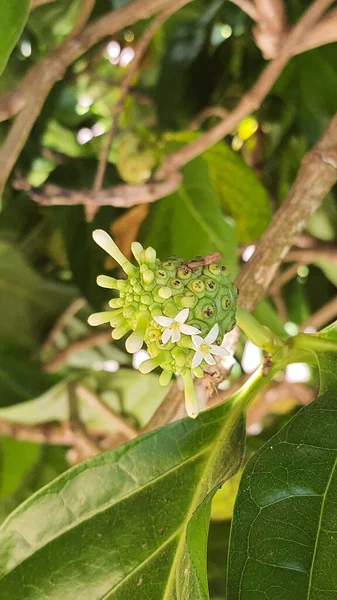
(206, 113)
(60, 358)
(251, 101)
(58, 326)
(248, 7)
(323, 316)
(46, 433)
(111, 417)
(140, 49)
(325, 32)
(123, 196)
(312, 255)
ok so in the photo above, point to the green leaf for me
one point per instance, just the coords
(21, 379)
(126, 391)
(241, 193)
(284, 540)
(74, 536)
(24, 468)
(13, 16)
(238, 189)
(189, 222)
(218, 541)
(28, 303)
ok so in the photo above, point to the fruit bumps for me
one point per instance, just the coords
(179, 310)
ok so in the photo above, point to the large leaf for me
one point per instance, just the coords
(129, 523)
(13, 16)
(284, 539)
(189, 222)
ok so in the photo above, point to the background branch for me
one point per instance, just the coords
(317, 174)
(123, 196)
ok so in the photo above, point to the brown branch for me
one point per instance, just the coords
(270, 26)
(276, 290)
(36, 85)
(70, 311)
(248, 7)
(250, 101)
(206, 113)
(325, 32)
(55, 363)
(140, 49)
(123, 196)
(317, 174)
(323, 316)
(37, 3)
(110, 416)
(46, 433)
(312, 255)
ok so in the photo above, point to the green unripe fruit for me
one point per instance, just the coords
(181, 311)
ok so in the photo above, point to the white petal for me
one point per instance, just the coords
(166, 336)
(175, 335)
(163, 321)
(197, 340)
(182, 315)
(212, 335)
(196, 360)
(218, 351)
(188, 329)
(209, 359)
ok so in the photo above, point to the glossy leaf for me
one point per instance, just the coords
(284, 540)
(13, 16)
(129, 523)
(189, 222)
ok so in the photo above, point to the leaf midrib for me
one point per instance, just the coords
(232, 417)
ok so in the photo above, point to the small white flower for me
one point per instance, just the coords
(205, 348)
(175, 327)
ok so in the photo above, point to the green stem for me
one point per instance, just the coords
(307, 341)
(260, 335)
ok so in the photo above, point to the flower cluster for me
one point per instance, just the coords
(180, 310)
